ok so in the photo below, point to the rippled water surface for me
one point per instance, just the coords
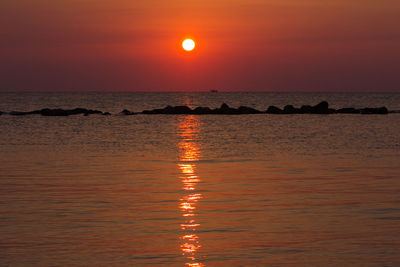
(212, 190)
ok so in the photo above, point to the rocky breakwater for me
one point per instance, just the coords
(321, 108)
(224, 109)
(59, 112)
(126, 112)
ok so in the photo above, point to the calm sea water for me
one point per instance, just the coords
(248, 190)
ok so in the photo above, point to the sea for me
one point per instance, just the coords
(199, 190)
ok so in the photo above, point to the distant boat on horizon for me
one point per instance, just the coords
(213, 91)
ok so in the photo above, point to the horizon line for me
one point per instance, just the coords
(199, 91)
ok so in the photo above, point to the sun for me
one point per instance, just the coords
(188, 44)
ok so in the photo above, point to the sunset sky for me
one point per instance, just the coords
(241, 45)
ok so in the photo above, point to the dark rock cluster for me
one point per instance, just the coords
(58, 112)
(321, 108)
(381, 110)
(224, 109)
(125, 112)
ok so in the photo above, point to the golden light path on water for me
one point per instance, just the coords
(189, 153)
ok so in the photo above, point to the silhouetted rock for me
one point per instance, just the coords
(66, 112)
(289, 109)
(224, 106)
(322, 105)
(170, 110)
(381, 110)
(180, 110)
(154, 111)
(91, 111)
(202, 111)
(248, 110)
(226, 110)
(57, 112)
(126, 112)
(306, 109)
(348, 111)
(21, 113)
(54, 112)
(321, 108)
(274, 110)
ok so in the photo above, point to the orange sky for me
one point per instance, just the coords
(242, 45)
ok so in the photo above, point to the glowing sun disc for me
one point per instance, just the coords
(188, 44)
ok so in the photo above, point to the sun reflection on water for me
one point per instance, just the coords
(189, 153)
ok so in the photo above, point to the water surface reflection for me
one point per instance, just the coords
(189, 153)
